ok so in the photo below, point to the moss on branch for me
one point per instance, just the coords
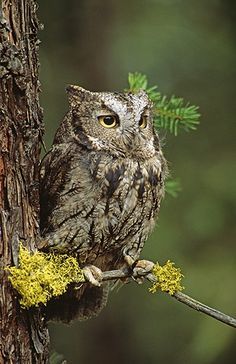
(41, 276)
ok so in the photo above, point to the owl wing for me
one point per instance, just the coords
(88, 301)
(53, 171)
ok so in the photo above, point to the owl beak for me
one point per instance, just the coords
(130, 137)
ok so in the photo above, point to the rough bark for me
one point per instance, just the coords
(23, 334)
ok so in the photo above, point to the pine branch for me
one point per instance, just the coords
(173, 114)
(179, 296)
(169, 113)
(173, 187)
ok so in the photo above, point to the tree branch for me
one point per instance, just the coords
(196, 305)
(166, 278)
(179, 296)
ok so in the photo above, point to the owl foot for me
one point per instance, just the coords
(93, 275)
(140, 268)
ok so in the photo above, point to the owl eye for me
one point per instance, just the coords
(108, 121)
(143, 121)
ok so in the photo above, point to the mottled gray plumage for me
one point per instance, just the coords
(101, 185)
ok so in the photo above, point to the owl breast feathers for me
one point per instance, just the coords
(103, 179)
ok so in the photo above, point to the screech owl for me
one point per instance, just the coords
(101, 187)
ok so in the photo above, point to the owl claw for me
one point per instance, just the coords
(129, 260)
(93, 275)
(141, 269)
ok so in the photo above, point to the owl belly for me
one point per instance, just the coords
(113, 212)
(127, 204)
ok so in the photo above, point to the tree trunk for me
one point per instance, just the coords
(23, 333)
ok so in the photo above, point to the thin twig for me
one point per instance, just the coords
(179, 296)
(196, 305)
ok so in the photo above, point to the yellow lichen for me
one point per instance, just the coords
(168, 278)
(41, 276)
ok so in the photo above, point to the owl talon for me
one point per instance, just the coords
(129, 260)
(141, 270)
(142, 267)
(93, 275)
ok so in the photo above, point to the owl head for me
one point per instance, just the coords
(118, 123)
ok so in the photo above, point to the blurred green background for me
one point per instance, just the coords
(188, 48)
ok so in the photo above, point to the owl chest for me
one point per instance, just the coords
(127, 200)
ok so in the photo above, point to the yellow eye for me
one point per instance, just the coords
(108, 121)
(143, 121)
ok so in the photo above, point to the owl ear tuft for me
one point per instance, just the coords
(77, 94)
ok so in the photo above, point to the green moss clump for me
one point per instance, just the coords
(41, 276)
(168, 278)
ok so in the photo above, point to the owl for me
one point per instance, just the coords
(101, 187)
